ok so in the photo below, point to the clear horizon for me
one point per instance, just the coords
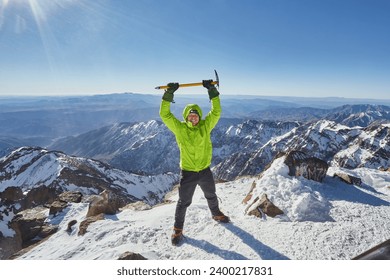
(266, 48)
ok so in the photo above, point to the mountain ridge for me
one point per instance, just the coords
(31, 167)
(239, 147)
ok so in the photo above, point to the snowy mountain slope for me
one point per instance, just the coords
(240, 148)
(122, 145)
(335, 143)
(359, 114)
(34, 177)
(370, 149)
(349, 115)
(348, 220)
(29, 168)
(246, 136)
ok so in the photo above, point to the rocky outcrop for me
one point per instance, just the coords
(25, 216)
(11, 194)
(33, 178)
(311, 168)
(40, 196)
(379, 252)
(107, 203)
(139, 206)
(31, 225)
(33, 197)
(57, 206)
(70, 225)
(89, 220)
(349, 179)
(261, 206)
(62, 201)
(71, 196)
(131, 256)
(250, 193)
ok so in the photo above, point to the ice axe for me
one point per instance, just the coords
(216, 82)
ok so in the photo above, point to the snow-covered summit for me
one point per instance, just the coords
(329, 220)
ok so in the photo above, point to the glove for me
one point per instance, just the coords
(168, 94)
(207, 84)
(213, 92)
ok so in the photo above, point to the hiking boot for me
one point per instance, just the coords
(222, 218)
(177, 236)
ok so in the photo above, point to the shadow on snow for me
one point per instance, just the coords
(263, 251)
(342, 191)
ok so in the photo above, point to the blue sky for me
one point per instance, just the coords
(263, 47)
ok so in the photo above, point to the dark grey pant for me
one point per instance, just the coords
(188, 182)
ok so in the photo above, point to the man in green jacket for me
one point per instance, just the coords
(193, 139)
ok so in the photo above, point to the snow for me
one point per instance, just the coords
(323, 221)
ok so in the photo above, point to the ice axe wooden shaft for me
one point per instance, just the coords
(187, 85)
(194, 84)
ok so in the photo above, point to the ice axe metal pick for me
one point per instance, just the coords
(216, 82)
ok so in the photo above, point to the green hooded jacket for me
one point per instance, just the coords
(194, 141)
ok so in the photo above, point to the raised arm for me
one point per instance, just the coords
(165, 108)
(213, 116)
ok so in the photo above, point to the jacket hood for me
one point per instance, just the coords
(190, 107)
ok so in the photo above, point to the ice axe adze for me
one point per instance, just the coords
(216, 82)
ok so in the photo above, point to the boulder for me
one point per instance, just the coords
(30, 222)
(47, 230)
(263, 205)
(139, 206)
(57, 206)
(105, 203)
(31, 226)
(254, 209)
(70, 225)
(40, 196)
(63, 199)
(300, 164)
(379, 252)
(26, 216)
(8, 246)
(349, 179)
(85, 224)
(131, 256)
(71, 196)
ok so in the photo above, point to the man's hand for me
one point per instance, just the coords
(213, 92)
(207, 84)
(168, 94)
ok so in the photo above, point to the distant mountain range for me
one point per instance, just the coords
(243, 148)
(93, 127)
(150, 148)
(39, 120)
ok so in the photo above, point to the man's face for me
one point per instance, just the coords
(193, 118)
